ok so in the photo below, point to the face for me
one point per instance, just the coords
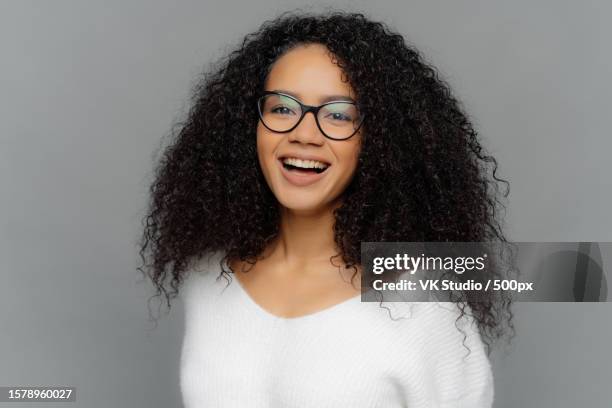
(308, 73)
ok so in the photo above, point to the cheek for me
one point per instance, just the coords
(265, 150)
(351, 159)
(263, 144)
(260, 140)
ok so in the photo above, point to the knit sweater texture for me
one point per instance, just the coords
(355, 354)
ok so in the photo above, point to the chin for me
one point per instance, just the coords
(297, 202)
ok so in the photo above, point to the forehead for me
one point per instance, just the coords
(309, 73)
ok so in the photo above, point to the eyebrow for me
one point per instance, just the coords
(326, 98)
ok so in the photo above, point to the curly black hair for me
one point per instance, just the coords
(422, 173)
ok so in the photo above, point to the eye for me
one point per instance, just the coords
(282, 110)
(339, 113)
(340, 116)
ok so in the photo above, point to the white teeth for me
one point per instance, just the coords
(306, 164)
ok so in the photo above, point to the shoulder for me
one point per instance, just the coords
(201, 275)
(447, 321)
(451, 360)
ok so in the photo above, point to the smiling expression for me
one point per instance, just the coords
(307, 73)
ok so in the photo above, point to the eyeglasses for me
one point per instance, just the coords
(281, 113)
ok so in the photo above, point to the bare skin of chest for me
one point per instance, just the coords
(297, 291)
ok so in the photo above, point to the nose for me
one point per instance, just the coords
(307, 131)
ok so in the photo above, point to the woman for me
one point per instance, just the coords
(318, 133)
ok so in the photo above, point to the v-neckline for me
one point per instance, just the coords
(260, 310)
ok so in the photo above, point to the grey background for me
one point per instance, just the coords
(88, 89)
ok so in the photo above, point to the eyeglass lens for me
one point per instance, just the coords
(337, 120)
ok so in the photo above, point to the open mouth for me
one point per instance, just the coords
(304, 166)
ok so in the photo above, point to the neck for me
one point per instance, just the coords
(305, 237)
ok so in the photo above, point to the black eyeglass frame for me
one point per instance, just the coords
(305, 109)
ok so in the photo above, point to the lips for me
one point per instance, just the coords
(302, 156)
(301, 178)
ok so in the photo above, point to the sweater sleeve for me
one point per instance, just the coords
(458, 365)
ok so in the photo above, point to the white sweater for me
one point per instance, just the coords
(235, 354)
